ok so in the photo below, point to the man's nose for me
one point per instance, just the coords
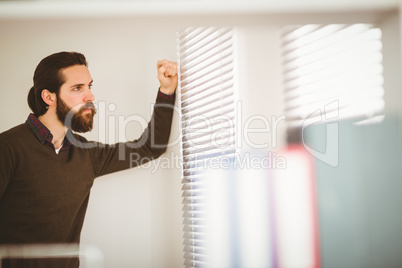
(89, 96)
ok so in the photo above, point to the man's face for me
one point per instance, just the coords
(74, 101)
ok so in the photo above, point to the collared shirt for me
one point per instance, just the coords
(43, 133)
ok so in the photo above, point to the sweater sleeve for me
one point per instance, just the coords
(152, 143)
(6, 167)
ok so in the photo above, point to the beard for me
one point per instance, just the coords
(79, 121)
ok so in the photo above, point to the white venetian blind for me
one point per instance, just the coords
(334, 69)
(207, 123)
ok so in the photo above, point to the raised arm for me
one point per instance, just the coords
(154, 140)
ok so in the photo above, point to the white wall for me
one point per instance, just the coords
(260, 106)
(134, 216)
(392, 63)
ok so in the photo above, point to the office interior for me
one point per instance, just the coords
(134, 217)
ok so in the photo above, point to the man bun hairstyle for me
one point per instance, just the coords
(48, 75)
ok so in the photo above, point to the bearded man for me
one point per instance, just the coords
(47, 169)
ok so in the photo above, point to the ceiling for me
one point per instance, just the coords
(69, 9)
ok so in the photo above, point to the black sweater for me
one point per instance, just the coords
(44, 195)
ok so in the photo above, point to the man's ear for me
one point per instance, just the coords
(48, 97)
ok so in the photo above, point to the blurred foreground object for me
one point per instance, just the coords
(90, 256)
(360, 200)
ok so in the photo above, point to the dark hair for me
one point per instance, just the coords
(48, 75)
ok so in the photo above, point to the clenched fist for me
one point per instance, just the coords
(167, 76)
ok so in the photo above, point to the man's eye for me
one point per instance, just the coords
(90, 86)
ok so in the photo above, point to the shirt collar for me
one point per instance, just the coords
(42, 132)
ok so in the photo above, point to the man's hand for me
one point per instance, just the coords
(167, 76)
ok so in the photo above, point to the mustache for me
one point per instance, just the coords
(88, 105)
